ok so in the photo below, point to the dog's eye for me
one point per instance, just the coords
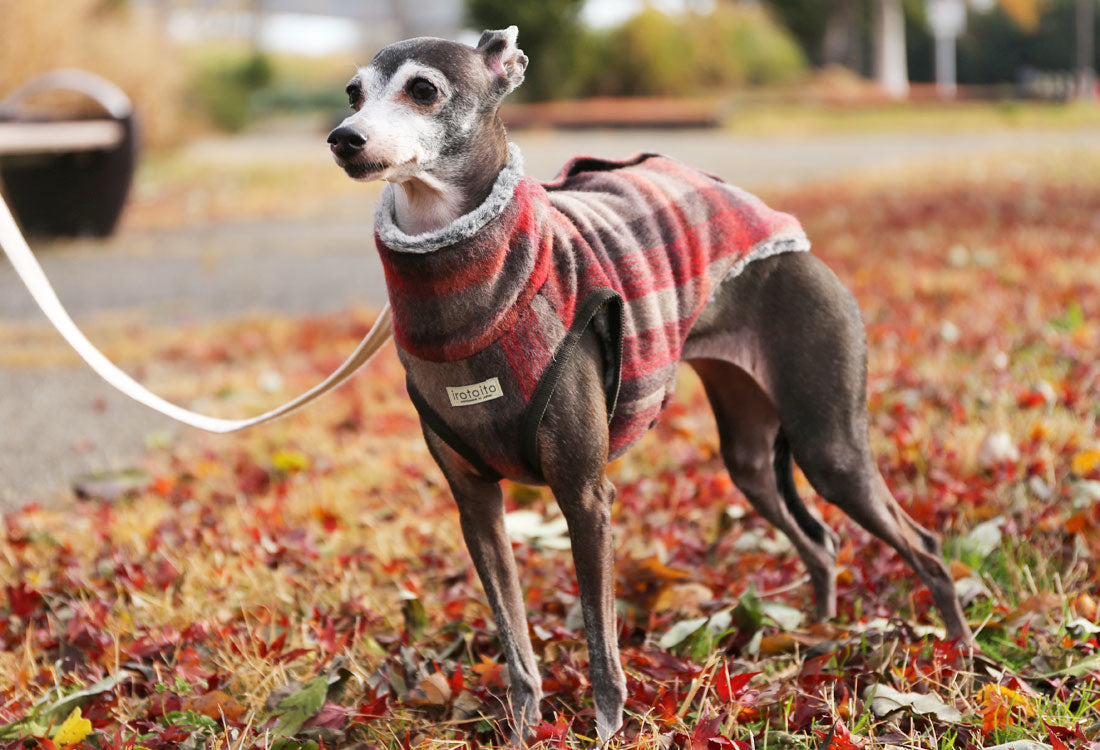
(422, 91)
(353, 95)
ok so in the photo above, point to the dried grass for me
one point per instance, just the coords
(124, 45)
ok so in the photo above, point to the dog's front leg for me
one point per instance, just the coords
(573, 442)
(587, 510)
(481, 511)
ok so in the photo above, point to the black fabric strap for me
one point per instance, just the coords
(540, 399)
(449, 436)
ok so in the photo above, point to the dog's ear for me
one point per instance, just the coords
(504, 59)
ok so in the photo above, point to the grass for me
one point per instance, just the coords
(759, 115)
(325, 547)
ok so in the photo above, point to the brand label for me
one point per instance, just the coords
(477, 393)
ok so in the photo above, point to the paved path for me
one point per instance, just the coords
(325, 264)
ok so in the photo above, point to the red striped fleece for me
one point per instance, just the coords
(497, 301)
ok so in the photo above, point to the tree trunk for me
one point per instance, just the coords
(891, 70)
(841, 44)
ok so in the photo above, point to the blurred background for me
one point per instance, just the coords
(193, 67)
(235, 209)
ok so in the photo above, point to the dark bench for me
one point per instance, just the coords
(67, 177)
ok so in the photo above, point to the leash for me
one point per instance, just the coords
(31, 274)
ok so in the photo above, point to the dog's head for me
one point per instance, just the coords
(421, 103)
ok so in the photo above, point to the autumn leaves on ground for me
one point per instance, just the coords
(305, 584)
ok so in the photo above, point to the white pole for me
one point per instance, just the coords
(945, 67)
(948, 20)
(891, 68)
(1086, 31)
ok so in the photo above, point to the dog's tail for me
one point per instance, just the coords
(784, 477)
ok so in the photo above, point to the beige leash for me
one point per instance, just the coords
(28, 269)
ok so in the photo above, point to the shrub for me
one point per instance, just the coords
(226, 85)
(655, 53)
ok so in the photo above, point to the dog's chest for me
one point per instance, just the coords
(484, 398)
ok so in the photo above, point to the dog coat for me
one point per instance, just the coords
(487, 310)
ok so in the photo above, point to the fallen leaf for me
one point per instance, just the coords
(1082, 625)
(997, 448)
(290, 462)
(983, 539)
(885, 700)
(777, 643)
(331, 716)
(999, 703)
(433, 690)
(783, 615)
(488, 672)
(1077, 668)
(959, 569)
(1085, 462)
(680, 632)
(79, 698)
(838, 737)
(73, 730)
(1085, 606)
(1035, 609)
(215, 704)
(529, 526)
(466, 706)
(729, 687)
(296, 709)
(110, 487)
(682, 597)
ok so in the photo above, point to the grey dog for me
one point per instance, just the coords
(779, 347)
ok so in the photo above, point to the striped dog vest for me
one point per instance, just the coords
(487, 310)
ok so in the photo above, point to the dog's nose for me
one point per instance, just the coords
(346, 141)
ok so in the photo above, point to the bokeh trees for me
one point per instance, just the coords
(1000, 40)
(653, 53)
(550, 32)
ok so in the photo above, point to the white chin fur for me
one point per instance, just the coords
(385, 219)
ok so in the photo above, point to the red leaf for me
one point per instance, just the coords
(458, 684)
(489, 673)
(837, 738)
(23, 600)
(1058, 735)
(558, 732)
(705, 731)
(332, 716)
(372, 707)
(730, 687)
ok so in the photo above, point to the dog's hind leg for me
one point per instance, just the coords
(759, 463)
(812, 339)
(841, 468)
(481, 511)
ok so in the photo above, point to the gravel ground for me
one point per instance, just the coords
(57, 423)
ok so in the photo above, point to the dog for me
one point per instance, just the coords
(539, 326)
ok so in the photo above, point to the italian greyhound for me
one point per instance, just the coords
(778, 344)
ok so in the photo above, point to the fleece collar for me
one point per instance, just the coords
(463, 227)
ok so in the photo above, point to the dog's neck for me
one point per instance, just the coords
(434, 200)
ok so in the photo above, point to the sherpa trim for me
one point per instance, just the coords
(462, 228)
(765, 249)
